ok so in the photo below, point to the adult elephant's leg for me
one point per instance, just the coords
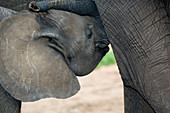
(8, 104)
(133, 100)
(135, 103)
(139, 32)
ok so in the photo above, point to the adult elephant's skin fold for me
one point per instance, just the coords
(41, 54)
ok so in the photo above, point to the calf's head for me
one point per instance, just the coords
(40, 54)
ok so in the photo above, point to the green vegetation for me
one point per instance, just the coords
(108, 59)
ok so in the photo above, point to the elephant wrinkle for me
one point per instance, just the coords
(137, 30)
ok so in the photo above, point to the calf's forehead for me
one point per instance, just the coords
(72, 24)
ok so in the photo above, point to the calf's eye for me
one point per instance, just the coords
(89, 33)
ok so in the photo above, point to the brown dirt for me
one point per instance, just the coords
(101, 92)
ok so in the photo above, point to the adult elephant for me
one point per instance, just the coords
(139, 31)
(42, 53)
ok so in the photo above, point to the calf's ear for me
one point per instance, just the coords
(29, 69)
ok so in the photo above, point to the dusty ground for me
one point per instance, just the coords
(101, 92)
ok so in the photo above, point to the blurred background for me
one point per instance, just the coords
(101, 92)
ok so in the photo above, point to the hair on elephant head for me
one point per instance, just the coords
(41, 53)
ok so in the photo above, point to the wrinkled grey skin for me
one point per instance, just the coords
(139, 32)
(42, 52)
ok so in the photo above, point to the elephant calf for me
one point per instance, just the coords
(42, 52)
